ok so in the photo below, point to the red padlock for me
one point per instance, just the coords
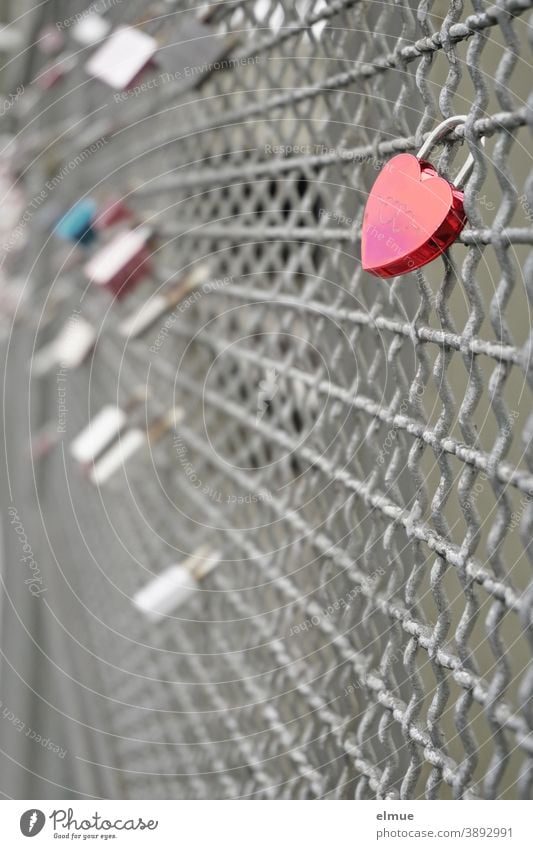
(412, 214)
(113, 211)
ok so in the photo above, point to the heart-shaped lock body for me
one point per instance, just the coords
(412, 215)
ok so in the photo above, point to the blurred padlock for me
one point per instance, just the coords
(86, 218)
(122, 58)
(76, 225)
(130, 442)
(171, 589)
(113, 211)
(90, 29)
(104, 428)
(122, 263)
(55, 72)
(50, 40)
(160, 304)
(98, 434)
(69, 349)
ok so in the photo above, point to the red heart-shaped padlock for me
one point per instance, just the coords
(412, 215)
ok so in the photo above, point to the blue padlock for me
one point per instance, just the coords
(77, 223)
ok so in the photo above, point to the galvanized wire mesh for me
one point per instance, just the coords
(359, 449)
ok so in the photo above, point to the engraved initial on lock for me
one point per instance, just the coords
(398, 215)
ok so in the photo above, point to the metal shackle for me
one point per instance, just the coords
(439, 134)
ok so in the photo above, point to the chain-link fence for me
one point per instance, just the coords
(358, 450)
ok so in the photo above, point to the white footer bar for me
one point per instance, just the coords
(254, 824)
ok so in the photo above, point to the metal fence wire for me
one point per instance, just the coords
(357, 449)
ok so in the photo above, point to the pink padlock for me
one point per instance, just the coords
(48, 78)
(50, 40)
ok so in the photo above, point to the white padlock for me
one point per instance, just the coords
(113, 459)
(121, 262)
(90, 29)
(175, 585)
(129, 443)
(122, 57)
(103, 428)
(69, 349)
